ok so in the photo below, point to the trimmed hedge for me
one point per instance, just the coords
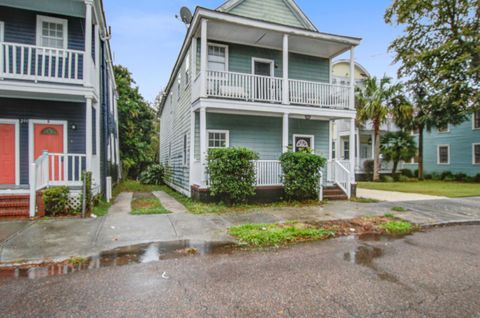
(301, 174)
(56, 200)
(232, 174)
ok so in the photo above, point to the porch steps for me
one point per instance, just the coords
(334, 193)
(14, 205)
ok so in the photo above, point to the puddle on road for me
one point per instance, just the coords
(135, 254)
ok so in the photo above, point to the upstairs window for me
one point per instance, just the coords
(443, 155)
(217, 57)
(443, 129)
(52, 32)
(476, 120)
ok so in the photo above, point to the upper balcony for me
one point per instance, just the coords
(238, 58)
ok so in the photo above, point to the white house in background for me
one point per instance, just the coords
(364, 134)
(255, 73)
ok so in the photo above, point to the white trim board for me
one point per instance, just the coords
(2, 31)
(15, 122)
(227, 54)
(31, 123)
(218, 131)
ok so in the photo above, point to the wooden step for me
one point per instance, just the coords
(334, 193)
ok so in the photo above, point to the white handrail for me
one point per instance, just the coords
(32, 62)
(341, 177)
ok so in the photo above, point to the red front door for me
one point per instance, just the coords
(7, 154)
(49, 138)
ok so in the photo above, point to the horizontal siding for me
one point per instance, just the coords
(20, 27)
(276, 11)
(308, 68)
(460, 138)
(264, 134)
(46, 110)
(240, 58)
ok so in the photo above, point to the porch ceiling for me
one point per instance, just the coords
(247, 35)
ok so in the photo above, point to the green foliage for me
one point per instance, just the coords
(87, 179)
(407, 173)
(376, 102)
(264, 235)
(397, 227)
(232, 173)
(147, 206)
(398, 209)
(153, 175)
(387, 179)
(137, 125)
(397, 146)
(389, 215)
(403, 178)
(101, 208)
(56, 200)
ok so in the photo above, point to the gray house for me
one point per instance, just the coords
(58, 113)
(255, 74)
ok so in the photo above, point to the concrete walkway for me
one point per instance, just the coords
(392, 196)
(62, 238)
(170, 203)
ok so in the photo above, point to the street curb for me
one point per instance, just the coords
(449, 223)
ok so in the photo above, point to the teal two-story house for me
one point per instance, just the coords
(256, 74)
(455, 149)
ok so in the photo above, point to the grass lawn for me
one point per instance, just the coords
(101, 209)
(145, 205)
(430, 187)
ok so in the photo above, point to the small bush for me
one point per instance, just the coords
(232, 174)
(402, 178)
(368, 168)
(153, 175)
(56, 200)
(449, 179)
(87, 179)
(427, 176)
(387, 179)
(436, 176)
(407, 173)
(415, 173)
(397, 227)
(476, 178)
(447, 175)
(301, 174)
(462, 177)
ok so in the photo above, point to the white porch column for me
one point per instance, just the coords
(352, 78)
(193, 58)
(87, 58)
(357, 146)
(352, 150)
(285, 95)
(97, 57)
(97, 143)
(285, 133)
(203, 59)
(88, 134)
(192, 144)
(203, 144)
(330, 139)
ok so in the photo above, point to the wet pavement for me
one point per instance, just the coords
(431, 274)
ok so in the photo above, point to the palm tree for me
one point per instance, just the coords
(376, 102)
(397, 146)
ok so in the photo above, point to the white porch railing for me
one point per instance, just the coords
(341, 176)
(30, 62)
(244, 86)
(53, 169)
(319, 94)
(268, 172)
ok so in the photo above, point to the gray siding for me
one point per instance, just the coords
(48, 110)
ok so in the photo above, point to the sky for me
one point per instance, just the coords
(147, 37)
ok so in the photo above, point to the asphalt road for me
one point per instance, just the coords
(431, 274)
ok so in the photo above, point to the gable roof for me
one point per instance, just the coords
(285, 12)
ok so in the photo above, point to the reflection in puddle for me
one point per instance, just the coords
(143, 253)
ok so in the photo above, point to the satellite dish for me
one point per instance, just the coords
(186, 15)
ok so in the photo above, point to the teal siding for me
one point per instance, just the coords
(264, 134)
(240, 58)
(276, 11)
(308, 68)
(460, 138)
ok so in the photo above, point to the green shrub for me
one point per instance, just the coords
(301, 174)
(87, 179)
(461, 177)
(153, 175)
(402, 178)
(407, 173)
(232, 174)
(476, 178)
(449, 179)
(446, 175)
(427, 176)
(56, 200)
(415, 173)
(436, 176)
(387, 178)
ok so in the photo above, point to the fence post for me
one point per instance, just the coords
(320, 195)
(33, 190)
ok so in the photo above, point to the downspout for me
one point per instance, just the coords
(105, 120)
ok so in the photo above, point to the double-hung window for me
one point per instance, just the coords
(218, 138)
(476, 120)
(443, 154)
(217, 57)
(476, 154)
(52, 32)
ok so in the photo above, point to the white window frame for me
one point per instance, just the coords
(226, 54)
(188, 61)
(262, 60)
(2, 31)
(44, 18)
(295, 136)
(179, 87)
(438, 155)
(218, 131)
(473, 154)
(15, 122)
(473, 120)
(445, 131)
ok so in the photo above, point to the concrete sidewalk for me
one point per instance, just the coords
(393, 196)
(63, 238)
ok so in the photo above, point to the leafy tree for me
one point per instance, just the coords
(397, 146)
(376, 102)
(439, 50)
(136, 125)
